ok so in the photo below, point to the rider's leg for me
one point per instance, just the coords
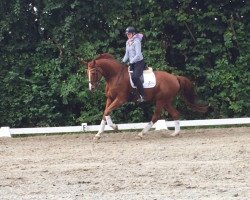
(138, 70)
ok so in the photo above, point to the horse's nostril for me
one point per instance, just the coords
(92, 88)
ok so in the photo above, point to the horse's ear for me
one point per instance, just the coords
(83, 62)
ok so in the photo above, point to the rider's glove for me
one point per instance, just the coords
(131, 64)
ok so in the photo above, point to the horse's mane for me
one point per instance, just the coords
(109, 58)
(105, 56)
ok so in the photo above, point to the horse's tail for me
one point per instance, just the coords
(189, 95)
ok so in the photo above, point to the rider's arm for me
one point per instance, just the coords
(125, 58)
(138, 54)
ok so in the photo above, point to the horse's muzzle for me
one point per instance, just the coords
(92, 87)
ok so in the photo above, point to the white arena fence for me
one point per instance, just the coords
(159, 125)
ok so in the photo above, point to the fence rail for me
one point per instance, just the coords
(160, 125)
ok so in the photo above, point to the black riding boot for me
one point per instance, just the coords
(137, 72)
(140, 89)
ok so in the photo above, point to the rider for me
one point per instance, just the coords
(135, 57)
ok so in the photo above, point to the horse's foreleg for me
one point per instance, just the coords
(155, 117)
(101, 129)
(110, 105)
(102, 126)
(110, 123)
(115, 104)
(103, 122)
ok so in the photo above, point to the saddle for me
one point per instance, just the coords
(147, 78)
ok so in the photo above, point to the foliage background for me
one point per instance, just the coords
(43, 84)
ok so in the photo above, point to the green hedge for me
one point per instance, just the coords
(43, 84)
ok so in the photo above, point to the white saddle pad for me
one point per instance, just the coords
(149, 78)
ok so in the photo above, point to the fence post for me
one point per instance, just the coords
(84, 127)
(5, 132)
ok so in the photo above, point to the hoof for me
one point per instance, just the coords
(97, 137)
(116, 128)
(175, 134)
(140, 135)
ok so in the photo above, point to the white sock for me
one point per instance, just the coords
(102, 126)
(177, 126)
(109, 122)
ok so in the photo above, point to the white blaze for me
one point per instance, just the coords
(90, 85)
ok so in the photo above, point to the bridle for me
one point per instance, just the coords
(95, 75)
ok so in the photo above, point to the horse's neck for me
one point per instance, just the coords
(110, 69)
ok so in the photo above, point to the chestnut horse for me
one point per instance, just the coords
(119, 91)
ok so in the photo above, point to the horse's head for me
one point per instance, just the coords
(94, 75)
(105, 65)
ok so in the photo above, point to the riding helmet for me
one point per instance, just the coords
(130, 29)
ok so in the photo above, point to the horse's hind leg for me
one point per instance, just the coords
(176, 116)
(155, 117)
